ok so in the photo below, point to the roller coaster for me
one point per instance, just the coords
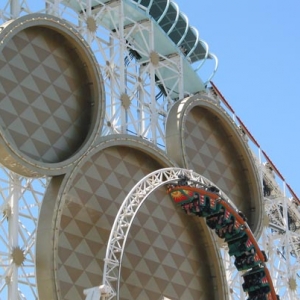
(197, 197)
(231, 225)
(150, 59)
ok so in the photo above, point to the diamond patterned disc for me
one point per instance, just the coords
(48, 91)
(214, 148)
(164, 254)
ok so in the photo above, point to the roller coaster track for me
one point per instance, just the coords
(223, 217)
(176, 80)
(220, 213)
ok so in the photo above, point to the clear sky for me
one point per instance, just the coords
(257, 43)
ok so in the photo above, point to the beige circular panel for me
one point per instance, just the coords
(202, 137)
(51, 95)
(167, 252)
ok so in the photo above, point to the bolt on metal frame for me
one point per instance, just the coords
(125, 216)
(125, 75)
(20, 200)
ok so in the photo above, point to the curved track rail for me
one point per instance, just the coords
(277, 209)
(231, 225)
(197, 196)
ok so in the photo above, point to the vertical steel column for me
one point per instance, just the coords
(52, 8)
(112, 84)
(122, 67)
(89, 14)
(181, 87)
(287, 239)
(154, 117)
(260, 165)
(13, 227)
(141, 106)
(15, 8)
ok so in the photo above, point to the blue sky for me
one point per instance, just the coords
(257, 43)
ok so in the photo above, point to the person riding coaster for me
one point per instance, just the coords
(247, 260)
(201, 205)
(230, 224)
(223, 222)
(240, 245)
(255, 279)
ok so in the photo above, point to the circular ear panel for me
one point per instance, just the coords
(167, 252)
(202, 137)
(51, 95)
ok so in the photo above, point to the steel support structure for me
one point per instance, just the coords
(139, 94)
(20, 199)
(121, 227)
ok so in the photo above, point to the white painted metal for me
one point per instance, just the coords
(145, 117)
(281, 237)
(15, 8)
(233, 276)
(125, 217)
(13, 224)
(20, 199)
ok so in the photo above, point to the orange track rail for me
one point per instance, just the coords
(235, 213)
(254, 140)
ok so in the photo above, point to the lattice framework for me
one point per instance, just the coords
(125, 75)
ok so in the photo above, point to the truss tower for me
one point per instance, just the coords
(95, 95)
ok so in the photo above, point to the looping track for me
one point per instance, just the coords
(126, 48)
(230, 224)
(198, 197)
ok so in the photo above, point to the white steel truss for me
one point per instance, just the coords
(128, 210)
(280, 237)
(20, 200)
(139, 93)
(142, 69)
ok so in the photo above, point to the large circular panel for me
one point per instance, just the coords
(51, 95)
(167, 252)
(202, 137)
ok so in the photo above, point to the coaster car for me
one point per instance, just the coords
(230, 231)
(207, 206)
(261, 294)
(255, 279)
(212, 220)
(247, 260)
(240, 245)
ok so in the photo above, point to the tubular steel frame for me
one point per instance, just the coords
(126, 214)
(124, 219)
(20, 197)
